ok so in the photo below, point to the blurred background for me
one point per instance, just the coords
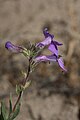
(53, 95)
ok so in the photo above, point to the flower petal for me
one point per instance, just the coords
(61, 64)
(53, 48)
(47, 34)
(40, 59)
(57, 43)
(45, 58)
(51, 58)
(47, 41)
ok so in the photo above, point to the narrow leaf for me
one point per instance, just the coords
(3, 111)
(16, 112)
(10, 105)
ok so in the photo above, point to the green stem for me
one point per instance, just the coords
(20, 94)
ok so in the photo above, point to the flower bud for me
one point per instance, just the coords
(13, 48)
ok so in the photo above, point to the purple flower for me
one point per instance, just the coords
(52, 58)
(45, 58)
(52, 46)
(13, 48)
(49, 41)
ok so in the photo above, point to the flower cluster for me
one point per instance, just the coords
(53, 47)
(32, 53)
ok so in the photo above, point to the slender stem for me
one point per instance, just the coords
(19, 97)
(20, 94)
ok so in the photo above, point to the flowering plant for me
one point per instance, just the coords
(34, 58)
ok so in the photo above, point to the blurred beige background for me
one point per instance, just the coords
(52, 95)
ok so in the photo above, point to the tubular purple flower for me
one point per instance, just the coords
(51, 58)
(13, 48)
(49, 41)
(45, 58)
(52, 46)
